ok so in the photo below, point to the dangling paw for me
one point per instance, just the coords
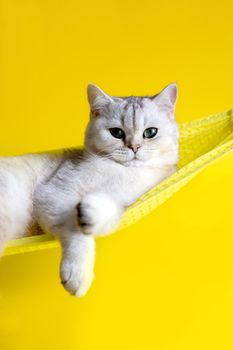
(75, 278)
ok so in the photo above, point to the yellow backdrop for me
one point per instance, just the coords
(167, 282)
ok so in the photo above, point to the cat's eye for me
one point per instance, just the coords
(150, 132)
(117, 133)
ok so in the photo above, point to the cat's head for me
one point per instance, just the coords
(133, 131)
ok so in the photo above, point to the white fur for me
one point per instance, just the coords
(102, 221)
(77, 273)
(77, 195)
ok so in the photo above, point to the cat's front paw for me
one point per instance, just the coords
(76, 279)
(85, 220)
(98, 214)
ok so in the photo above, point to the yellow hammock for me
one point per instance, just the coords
(201, 143)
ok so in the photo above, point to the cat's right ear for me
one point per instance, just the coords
(97, 99)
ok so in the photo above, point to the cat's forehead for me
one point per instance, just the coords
(134, 111)
(132, 102)
(136, 101)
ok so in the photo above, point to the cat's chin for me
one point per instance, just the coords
(134, 163)
(139, 163)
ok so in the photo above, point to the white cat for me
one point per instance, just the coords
(131, 144)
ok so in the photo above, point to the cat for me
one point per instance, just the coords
(131, 144)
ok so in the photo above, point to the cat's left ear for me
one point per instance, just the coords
(97, 99)
(167, 98)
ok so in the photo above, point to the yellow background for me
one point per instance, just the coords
(167, 282)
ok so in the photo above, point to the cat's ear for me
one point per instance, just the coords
(167, 98)
(97, 99)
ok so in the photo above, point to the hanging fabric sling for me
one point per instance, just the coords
(201, 143)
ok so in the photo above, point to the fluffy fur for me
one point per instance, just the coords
(80, 194)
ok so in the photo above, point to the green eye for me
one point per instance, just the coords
(117, 133)
(150, 132)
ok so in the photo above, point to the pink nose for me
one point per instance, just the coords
(134, 148)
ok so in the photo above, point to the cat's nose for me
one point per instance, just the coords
(134, 147)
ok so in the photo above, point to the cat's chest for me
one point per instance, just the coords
(114, 172)
(130, 181)
(124, 182)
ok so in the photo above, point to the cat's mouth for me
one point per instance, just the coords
(127, 158)
(134, 160)
(133, 157)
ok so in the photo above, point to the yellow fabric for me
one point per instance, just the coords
(201, 143)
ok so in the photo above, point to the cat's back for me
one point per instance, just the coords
(26, 170)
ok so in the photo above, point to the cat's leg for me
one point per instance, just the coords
(56, 213)
(77, 265)
(98, 213)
